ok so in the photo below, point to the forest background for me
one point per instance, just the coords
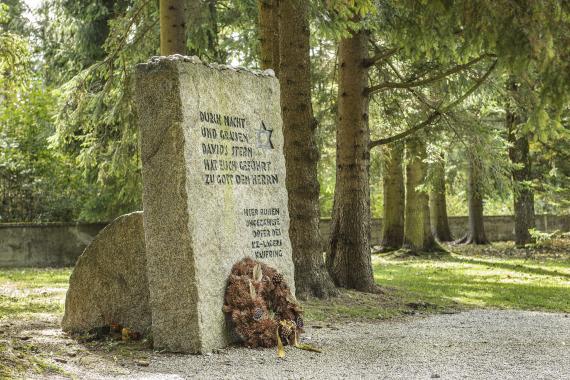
(69, 143)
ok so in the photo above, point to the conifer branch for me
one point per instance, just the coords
(436, 114)
(411, 83)
(380, 56)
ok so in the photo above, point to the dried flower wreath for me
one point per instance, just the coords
(260, 304)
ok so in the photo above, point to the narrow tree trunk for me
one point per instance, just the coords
(417, 229)
(394, 197)
(276, 35)
(522, 194)
(476, 234)
(172, 27)
(213, 32)
(438, 204)
(268, 11)
(301, 153)
(348, 260)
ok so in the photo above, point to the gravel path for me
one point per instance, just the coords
(479, 344)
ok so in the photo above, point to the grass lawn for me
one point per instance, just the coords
(490, 276)
(28, 291)
(538, 283)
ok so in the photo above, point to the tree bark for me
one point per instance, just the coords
(476, 234)
(268, 11)
(523, 195)
(301, 153)
(349, 260)
(438, 204)
(394, 197)
(172, 27)
(417, 230)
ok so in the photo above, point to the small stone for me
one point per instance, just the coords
(142, 362)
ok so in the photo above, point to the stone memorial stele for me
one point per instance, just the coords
(213, 191)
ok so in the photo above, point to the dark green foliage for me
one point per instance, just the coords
(70, 144)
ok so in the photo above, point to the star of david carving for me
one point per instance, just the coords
(264, 137)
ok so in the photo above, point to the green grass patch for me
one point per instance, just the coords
(29, 291)
(480, 280)
(17, 359)
(31, 278)
(389, 303)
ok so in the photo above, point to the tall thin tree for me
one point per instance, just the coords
(417, 230)
(476, 233)
(523, 196)
(394, 196)
(268, 17)
(172, 27)
(301, 151)
(438, 202)
(349, 261)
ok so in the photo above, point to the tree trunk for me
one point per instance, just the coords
(394, 197)
(301, 153)
(417, 229)
(476, 234)
(349, 261)
(172, 27)
(213, 33)
(522, 194)
(438, 204)
(269, 34)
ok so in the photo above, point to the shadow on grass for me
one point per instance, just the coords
(509, 266)
(479, 282)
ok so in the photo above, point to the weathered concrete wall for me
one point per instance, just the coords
(501, 228)
(60, 244)
(498, 228)
(44, 245)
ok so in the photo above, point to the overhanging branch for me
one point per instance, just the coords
(436, 114)
(380, 56)
(411, 83)
(432, 118)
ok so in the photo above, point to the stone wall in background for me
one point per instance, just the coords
(498, 228)
(60, 244)
(44, 244)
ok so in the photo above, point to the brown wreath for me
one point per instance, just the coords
(261, 306)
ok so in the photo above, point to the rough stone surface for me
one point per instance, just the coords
(213, 190)
(109, 282)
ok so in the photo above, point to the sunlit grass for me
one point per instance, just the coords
(446, 282)
(28, 291)
(35, 277)
(482, 281)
